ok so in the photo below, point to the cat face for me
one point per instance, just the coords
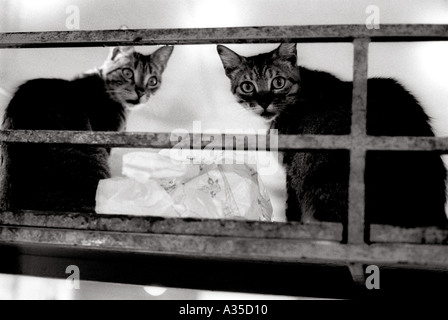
(264, 84)
(131, 77)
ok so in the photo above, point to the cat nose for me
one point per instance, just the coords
(140, 92)
(265, 104)
(264, 100)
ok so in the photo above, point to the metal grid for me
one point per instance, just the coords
(259, 241)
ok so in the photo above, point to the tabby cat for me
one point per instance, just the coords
(402, 188)
(54, 177)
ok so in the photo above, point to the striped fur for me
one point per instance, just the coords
(64, 178)
(402, 188)
(131, 77)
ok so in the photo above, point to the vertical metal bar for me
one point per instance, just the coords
(359, 99)
(3, 179)
(357, 272)
(356, 207)
(356, 224)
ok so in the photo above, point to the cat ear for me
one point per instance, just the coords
(230, 60)
(161, 56)
(287, 51)
(114, 52)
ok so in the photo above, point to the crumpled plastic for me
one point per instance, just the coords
(169, 185)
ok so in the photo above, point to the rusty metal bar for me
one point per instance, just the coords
(359, 94)
(226, 228)
(357, 272)
(168, 140)
(262, 34)
(257, 249)
(209, 227)
(159, 225)
(356, 189)
(111, 139)
(356, 196)
(426, 235)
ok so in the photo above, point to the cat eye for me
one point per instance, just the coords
(247, 87)
(152, 81)
(278, 83)
(127, 73)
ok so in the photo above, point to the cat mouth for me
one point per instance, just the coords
(268, 115)
(133, 102)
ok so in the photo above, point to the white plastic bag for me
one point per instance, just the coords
(129, 196)
(224, 192)
(166, 185)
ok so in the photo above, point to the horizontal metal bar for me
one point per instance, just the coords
(189, 226)
(256, 249)
(208, 227)
(111, 139)
(428, 235)
(310, 33)
(227, 141)
(159, 225)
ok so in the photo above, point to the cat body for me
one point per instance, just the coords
(402, 188)
(54, 177)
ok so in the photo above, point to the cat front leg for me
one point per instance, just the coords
(318, 185)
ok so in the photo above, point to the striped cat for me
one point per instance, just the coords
(64, 178)
(402, 188)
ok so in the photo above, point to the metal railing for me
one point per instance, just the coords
(245, 240)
